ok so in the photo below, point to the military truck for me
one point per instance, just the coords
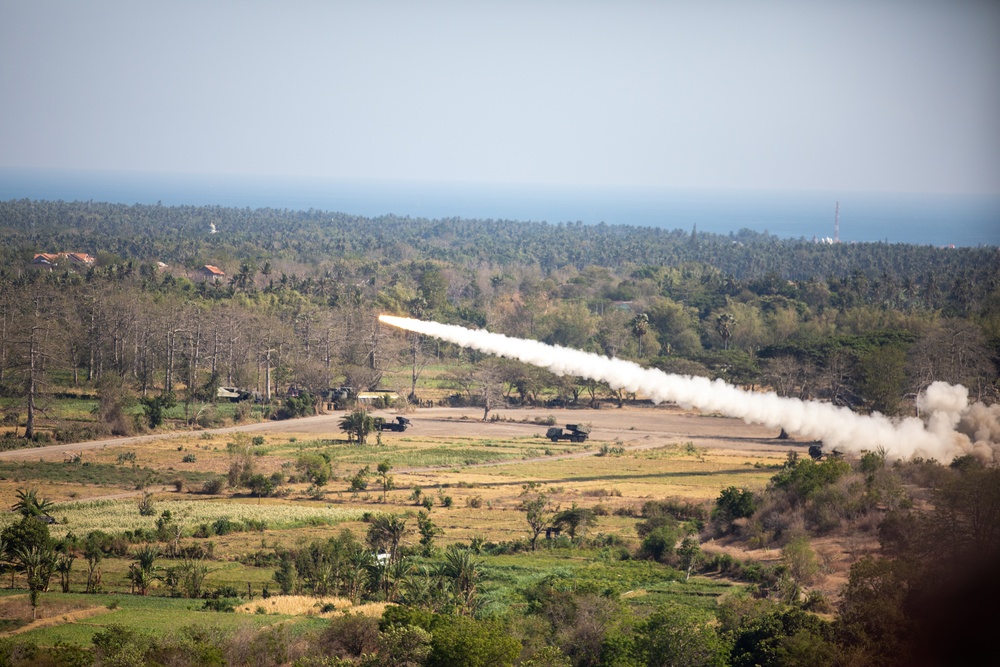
(338, 398)
(400, 425)
(233, 394)
(572, 432)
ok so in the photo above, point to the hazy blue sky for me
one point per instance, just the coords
(879, 96)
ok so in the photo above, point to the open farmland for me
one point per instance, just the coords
(472, 472)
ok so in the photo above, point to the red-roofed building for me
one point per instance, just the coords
(46, 259)
(50, 260)
(209, 272)
(81, 258)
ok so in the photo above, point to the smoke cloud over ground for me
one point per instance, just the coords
(950, 427)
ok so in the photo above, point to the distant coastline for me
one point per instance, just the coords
(940, 220)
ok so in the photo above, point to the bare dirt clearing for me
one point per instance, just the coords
(633, 426)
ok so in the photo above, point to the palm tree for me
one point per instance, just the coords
(385, 534)
(640, 327)
(358, 425)
(92, 552)
(383, 472)
(193, 574)
(353, 578)
(6, 559)
(724, 325)
(64, 565)
(29, 504)
(142, 572)
(37, 564)
(464, 571)
(421, 588)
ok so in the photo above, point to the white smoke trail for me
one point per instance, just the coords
(945, 406)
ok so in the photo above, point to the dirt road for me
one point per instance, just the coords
(633, 427)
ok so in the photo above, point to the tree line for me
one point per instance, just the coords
(865, 325)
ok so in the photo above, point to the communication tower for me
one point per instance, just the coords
(836, 224)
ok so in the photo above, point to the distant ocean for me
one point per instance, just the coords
(960, 220)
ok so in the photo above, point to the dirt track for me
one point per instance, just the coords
(640, 427)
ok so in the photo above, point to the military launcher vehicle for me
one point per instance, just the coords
(400, 424)
(572, 432)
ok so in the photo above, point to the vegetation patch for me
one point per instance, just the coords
(123, 515)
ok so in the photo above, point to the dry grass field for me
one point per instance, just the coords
(668, 453)
(473, 471)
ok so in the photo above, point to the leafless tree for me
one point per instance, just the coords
(954, 351)
(790, 376)
(489, 377)
(34, 343)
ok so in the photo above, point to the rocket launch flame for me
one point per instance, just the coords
(945, 434)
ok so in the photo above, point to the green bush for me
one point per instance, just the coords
(121, 646)
(225, 605)
(734, 503)
(458, 641)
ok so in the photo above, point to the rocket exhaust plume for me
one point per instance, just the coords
(950, 428)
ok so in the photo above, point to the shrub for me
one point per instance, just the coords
(675, 635)
(256, 525)
(146, 505)
(360, 481)
(13, 652)
(680, 510)
(72, 433)
(242, 412)
(458, 640)
(817, 603)
(209, 418)
(224, 525)
(659, 543)
(190, 458)
(121, 646)
(407, 645)
(733, 504)
(296, 406)
(225, 605)
(213, 485)
(800, 559)
(315, 468)
(801, 478)
(350, 636)
(226, 591)
(156, 406)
